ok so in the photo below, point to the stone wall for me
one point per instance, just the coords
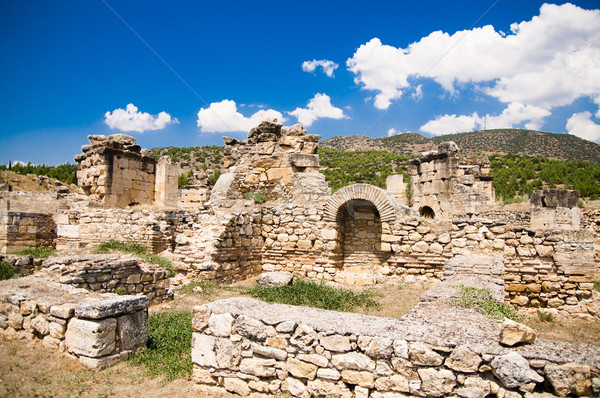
(113, 273)
(115, 172)
(19, 230)
(244, 346)
(99, 332)
(445, 185)
(30, 202)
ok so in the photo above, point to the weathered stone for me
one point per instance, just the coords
(300, 369)
(28, 307)
(401, 348)
(286, 327)
(15, 320)
(376, 347)
(250, 328)
(236, 386)
(202, 376)
(41, 325)
(104, 361)
(514, 333)
(57, 330)
(99, 309)
(227, 353)
(436, 383)
(353, 361)
(329, 374)
(569, 378)
(272, 279)
(326, 388)
(392, 383)
(220, 324)
(203, 352)
(462, 359)
(64, 311)
(269, 352)
(132, 330)
(422, 355)
(258, 367)
(91, 338)
(303, 337)
(294, 386)
(315, 359)
(200, 316)
(514, 371)
(359, 378)
(335, 343)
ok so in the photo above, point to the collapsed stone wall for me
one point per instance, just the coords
(115, 172)
(30, 202)
(99, 332)
(20, 230)
(112, 273)
(444, 184)
(245, 346)
(267, 160)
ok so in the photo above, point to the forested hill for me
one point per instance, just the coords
(503, 141)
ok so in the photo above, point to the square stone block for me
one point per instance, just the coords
(91, 338)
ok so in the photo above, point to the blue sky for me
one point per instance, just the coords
(195, 71)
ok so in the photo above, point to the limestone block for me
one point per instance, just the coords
(330, 389)
(514, 371)
(258, 367)
(376, 347)
(422, 355)
(220, 324)
(329, 374)
(569, 378)
(236, 386)
(132, 330)
(514, 333)
(436, 383)
(91, 338)
(279, 174)
(463, 360)
(360, 378)
(335, 343)
(250, 328)
(228, 353)
(203, 353)
(396, 382)
(353, 361)
(104, 361)
(401, 348)
(98, 309)
(271, 279)
(41, 325)
(301, 369)
(269, 352)
(304, 160)
(294, 386)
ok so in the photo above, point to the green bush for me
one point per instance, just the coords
(256, 197)
(597, 286)
(318, 295)
(138, 251)
(7, 270)
(169, 345)
(483, 302)
(545, 316)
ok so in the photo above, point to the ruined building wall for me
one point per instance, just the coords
(444, 184)
(20, 230)
(117, 173)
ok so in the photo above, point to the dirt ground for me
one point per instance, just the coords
(29, 369)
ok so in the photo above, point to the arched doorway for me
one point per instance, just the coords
(427, 212)
(360, 235)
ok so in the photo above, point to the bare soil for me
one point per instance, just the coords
(29, 369)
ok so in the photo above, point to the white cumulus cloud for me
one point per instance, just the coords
(581, 125)
(223, 117)
(514, 114)
(546, 62)
(318, 107)
(129, 119)
(328, 66)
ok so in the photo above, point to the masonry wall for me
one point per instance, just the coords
(30, 202)
(19, 230)
(244, 346)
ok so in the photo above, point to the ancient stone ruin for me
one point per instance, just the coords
(544, 257)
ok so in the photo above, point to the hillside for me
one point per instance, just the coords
(502, 141)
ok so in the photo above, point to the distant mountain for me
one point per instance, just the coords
(502, 141)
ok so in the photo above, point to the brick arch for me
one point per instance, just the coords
(375, 195)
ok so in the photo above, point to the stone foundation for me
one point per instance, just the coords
(19, 230)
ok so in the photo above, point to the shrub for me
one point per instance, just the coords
(545, 316)
(7, 270)
(169, 345)
(311, 294)
(483, 302)
(597, 286)
(257, 197)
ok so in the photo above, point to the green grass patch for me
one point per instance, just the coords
(169, 346)
(256, 197)
(36, 252)
(203, 288)
(7, 271)
(311, 294)
(545, 316)
(482, 301)
(138, 251)
(597, 286)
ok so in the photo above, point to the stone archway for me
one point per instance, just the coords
(371, 193)
(358, 211)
